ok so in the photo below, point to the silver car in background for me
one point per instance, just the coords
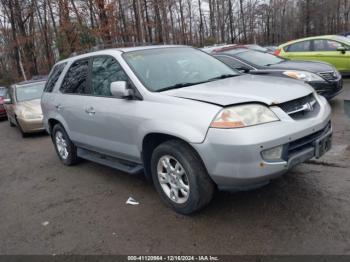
(188, 121)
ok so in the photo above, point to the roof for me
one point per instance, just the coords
(122, 50)
(310, 38)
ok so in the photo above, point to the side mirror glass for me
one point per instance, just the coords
(341, 49)
(120, 89)
(7, 101)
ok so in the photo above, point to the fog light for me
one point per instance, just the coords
(273, 154)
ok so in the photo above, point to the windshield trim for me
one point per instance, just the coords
(176, 47)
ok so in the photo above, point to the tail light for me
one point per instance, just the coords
(277, 51)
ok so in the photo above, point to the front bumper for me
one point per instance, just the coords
(233, 157)
(31, 125)
(328, 89)
(2, 111)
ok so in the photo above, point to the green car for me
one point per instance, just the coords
(332, 49)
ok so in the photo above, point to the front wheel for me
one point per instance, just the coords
(65, 149)
(180, 177)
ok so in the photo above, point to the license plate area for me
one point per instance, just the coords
(322, 145)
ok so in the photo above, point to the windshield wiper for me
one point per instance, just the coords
(221, 77)
(176, 86)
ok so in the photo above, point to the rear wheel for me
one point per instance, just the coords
(180, 177)
(65, 149)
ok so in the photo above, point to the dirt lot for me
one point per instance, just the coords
(305, 212)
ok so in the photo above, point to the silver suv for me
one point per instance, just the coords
(184, 118)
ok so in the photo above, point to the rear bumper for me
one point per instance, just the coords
(233, 157)
(31, 125)
(328, 89)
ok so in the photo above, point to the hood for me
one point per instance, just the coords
(32, 106)
(314, 67)
(245, 88)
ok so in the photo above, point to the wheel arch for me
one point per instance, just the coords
(151, 141)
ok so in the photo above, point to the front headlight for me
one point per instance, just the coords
(243, 116)
(30, 115)
(303, 75)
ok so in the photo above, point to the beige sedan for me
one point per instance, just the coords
(23, 107)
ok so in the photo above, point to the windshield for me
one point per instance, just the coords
(259, 58)
(29, 92)
(2, 91)
(166, 68)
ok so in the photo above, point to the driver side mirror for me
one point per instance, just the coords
(120, 89)
(7, 101)
(341, 49)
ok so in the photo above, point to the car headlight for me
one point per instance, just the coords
(243, 116)
(303, 75)
(30, 115)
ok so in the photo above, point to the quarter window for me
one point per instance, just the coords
(105, 70)
(303, 46)
(55, 74)
(76, 79)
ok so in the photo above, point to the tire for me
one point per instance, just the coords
(196, 187)
(66, 150)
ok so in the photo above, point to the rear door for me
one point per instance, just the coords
(299, 51)
(326, 50)
(73, 100)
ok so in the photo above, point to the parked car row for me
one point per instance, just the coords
(190, 122)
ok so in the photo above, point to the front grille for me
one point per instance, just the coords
(329, 76)
(301, 107)
(305, 142)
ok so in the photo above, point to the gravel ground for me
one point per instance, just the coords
(47, 208)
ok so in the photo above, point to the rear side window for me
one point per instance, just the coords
(55, 74)
(76, 79)
(304, 46)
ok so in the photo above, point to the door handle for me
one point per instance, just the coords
(90, 111)
(59, 107)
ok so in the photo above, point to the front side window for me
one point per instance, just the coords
(303, 46)
(29, 92)
(326, 45)
(162, 69)
(105, 70)
(76, 79)
(55, 74)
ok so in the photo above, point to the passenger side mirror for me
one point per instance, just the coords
(341, 49)
(120, 89)
(7, 101)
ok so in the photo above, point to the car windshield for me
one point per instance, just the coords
(163, 69)
(259, 58)
(2, 91)
(29, 92)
